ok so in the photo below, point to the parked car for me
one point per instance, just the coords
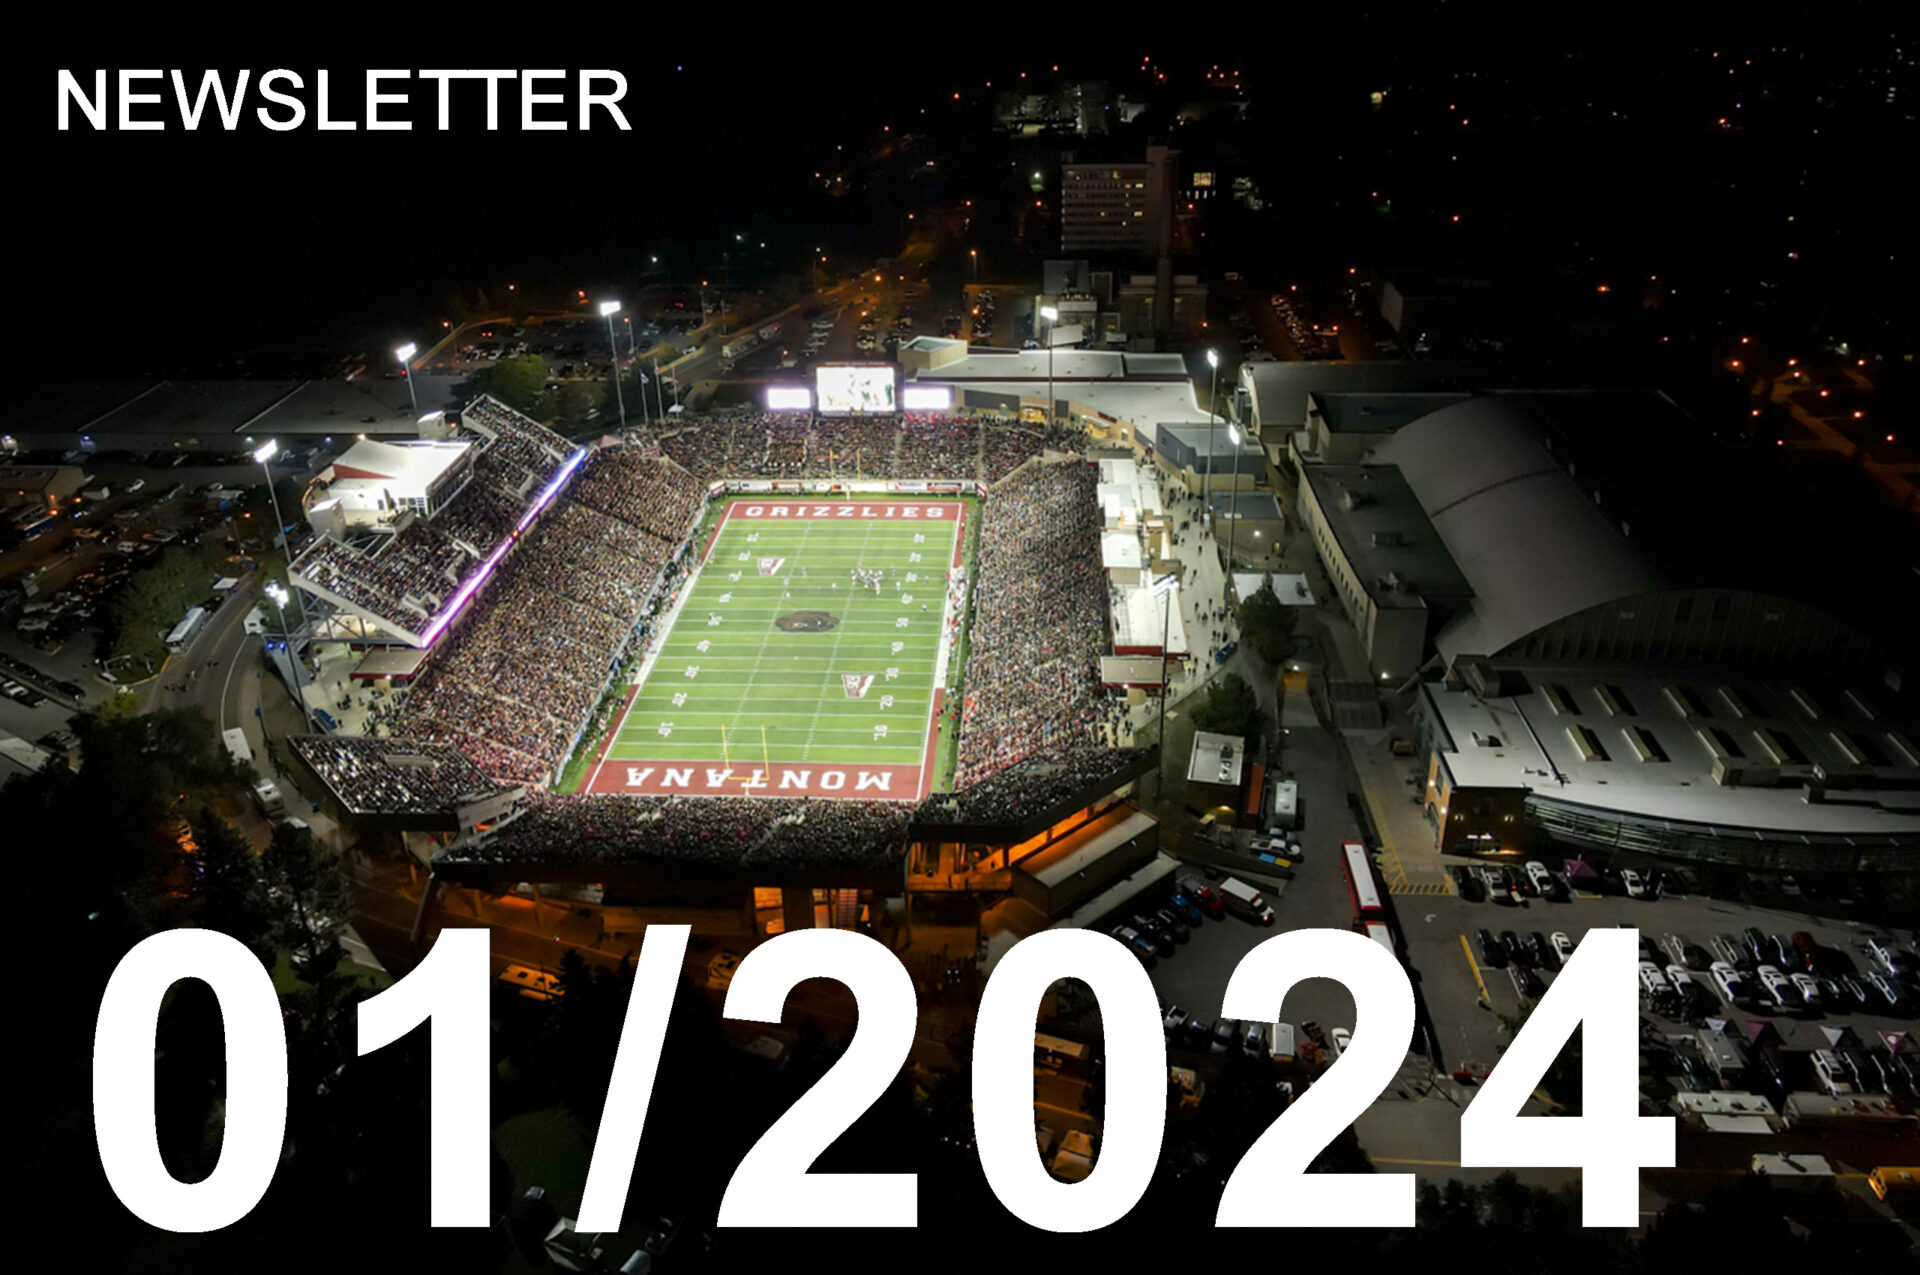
(1492, 951)
(1541, 879)
(1526, 982)
(1161, 939)
(1808, 987)
(1173, 1019)
(1186, 909)
(1562, 946)
(1203, 897)
(1466, 884)
(1779, 989)
(1541, 951)
(1732, 987)
(1136, 942)
(1632, 883)
(1173, 924)
(1517, 953)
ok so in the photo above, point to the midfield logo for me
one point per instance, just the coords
(856, 686)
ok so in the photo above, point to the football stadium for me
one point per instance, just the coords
(842, 649)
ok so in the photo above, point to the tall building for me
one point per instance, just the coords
(1119, 207)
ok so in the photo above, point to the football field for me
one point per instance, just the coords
(802, 659)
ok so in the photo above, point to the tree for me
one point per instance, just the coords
(1229, 708)
(573, 401)
(520, 382)
(1266, 624)
(229, 890)
(307, 873)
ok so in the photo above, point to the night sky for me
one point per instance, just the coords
(1593, 146)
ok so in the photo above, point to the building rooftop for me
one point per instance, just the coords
(1533, 546)
(1211, 762)
(1279, 390)
(408, 466)
(1365, 413)
(1396, 552)
(1647, 742)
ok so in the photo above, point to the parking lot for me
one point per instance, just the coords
(1443, 940)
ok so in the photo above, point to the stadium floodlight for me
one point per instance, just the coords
(1213, 359)
(607, 310)
(405, 354)
(1052, 316)
(262, 456)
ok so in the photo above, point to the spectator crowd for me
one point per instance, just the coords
(371, 776)
(1039, 622)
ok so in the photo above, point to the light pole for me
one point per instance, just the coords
(264, 455)
(607, 310)
(1233, 525)
(1052, 316)
(405, 354)
(1213, 421)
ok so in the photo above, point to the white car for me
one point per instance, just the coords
(1630, 882)
(1269, 845)
(1541, 878)
(1808, 988)
(1727, 979)
(1342, 1040)
(1562, 945)
(1652, 981)
(1778, 988)
(1831, 1072)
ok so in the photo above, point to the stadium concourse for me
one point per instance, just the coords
(542, 628)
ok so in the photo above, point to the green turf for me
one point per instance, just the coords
(764, 694)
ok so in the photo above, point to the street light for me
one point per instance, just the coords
(263, 456)
(973, 254)
(1164, 587)
(405, 354)
(1233, 525)
(607, 310)
(1052, 316)
(1213, 421)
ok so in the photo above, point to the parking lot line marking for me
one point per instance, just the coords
(1475, 967)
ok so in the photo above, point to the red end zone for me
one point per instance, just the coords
(855, 782)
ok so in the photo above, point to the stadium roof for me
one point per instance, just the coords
(1531, 544)
(411, 466)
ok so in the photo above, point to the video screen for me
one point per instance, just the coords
(855, 389)
(788, 398)
(927, 398)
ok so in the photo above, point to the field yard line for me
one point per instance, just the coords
(833, 656)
